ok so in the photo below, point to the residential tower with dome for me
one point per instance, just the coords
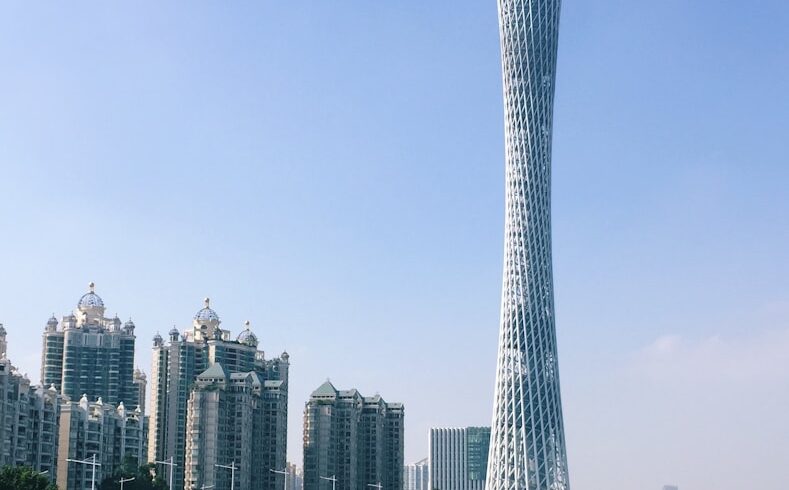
(200, 379)
(89, 354)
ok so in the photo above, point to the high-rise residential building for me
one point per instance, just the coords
(90, 354)
(228, 425)
(458, 457)
(113, 435)
(177, 364)
(357, 440)
(416, 476)
(527, 440)
(28, 418)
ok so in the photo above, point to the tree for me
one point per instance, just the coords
(24, 478)
(144, 477)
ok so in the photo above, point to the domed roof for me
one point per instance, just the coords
(173, 331)
(129, 324)
(52, 321)
(2, 329)
(158, 338)
(247, 336)
(206, 315)
(90, 299)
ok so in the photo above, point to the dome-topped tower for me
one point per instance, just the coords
(206, 321)
(247, 337)
(52, 324)
(91, 305)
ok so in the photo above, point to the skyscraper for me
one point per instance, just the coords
(90, 354)
(176, 366)
(28, 419)
(357, 440)
(229, 423)
(527, 441)
(458, 458)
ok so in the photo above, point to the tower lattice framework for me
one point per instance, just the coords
(527, 450)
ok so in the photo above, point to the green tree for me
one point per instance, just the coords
(24, 478)
(144, 477)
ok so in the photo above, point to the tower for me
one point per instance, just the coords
(527, 448)
(90, 354)
(177, 365)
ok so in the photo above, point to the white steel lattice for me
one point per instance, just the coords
(527, 450)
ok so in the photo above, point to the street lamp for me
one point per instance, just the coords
(92, 462)
(171, 464)
(332, 479)
(375, 485)
(282, 472)
(232, 468)
(124, 480)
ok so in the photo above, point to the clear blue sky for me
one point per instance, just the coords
(333, 172)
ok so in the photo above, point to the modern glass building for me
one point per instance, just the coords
(458, 458)
(527, 441)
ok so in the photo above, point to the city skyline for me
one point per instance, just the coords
(333, 173)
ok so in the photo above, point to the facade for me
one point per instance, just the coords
(458, 458)
(90, 354)
(177, 364)
(527, 440)
(416, 476)
(356, 439)
(226, 425)
(113, 435)
(28, 419)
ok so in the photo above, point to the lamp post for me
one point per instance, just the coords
(375, 485)
(332, 479)
(171, 464)
(124, 480)
(232, 468)
(92, 462)
(282, 472)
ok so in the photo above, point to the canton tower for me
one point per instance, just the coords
(527, 449)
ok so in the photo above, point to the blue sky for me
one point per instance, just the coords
(333, 172)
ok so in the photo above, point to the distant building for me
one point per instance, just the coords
(416, 476)
(113, 435)
(458, 458)
(177, 364)
(670, 487)
(28, 419)
(295, 478)
(357, 440)
(140, 381)
(90, 354)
